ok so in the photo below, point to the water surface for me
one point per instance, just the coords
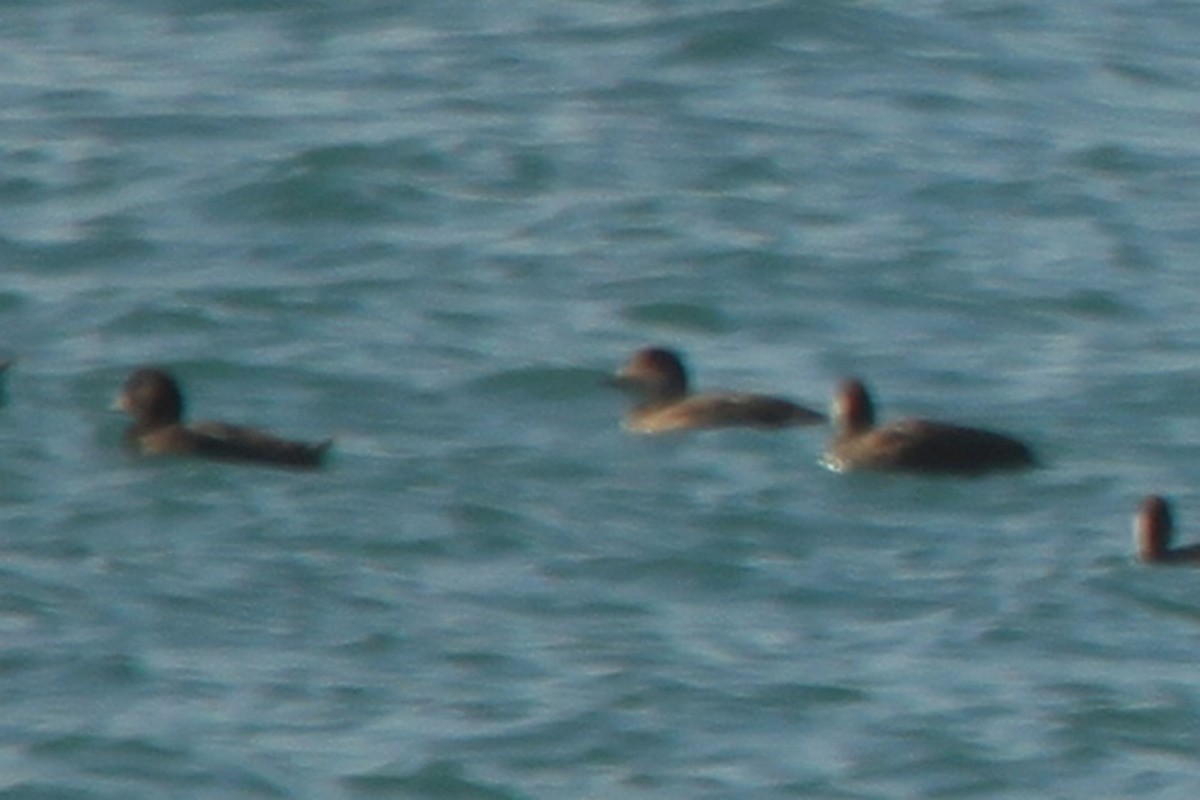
(430, 230)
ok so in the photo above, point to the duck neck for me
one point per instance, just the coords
(153, 422)
(663, 394)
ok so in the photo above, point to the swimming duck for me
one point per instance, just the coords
(152, 398)
(913, 445)
(1152, 530)
(658, 378)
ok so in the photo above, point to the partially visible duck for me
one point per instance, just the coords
(659, 380)
(913, 445)
(152, 398)
(1152, 530)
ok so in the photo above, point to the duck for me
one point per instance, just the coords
(913, 445)
(1153, 527)
(659, 380)
(152, 397)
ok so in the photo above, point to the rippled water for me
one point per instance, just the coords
(430, 230)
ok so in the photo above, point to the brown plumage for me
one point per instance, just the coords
(1153, 528)
(659, 380)
(913, 445)
(153, 399)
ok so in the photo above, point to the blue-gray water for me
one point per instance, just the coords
(429, 228)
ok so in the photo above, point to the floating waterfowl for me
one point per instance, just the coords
(1153, 528)
(152, 397)
(657, 377)
(913, 445)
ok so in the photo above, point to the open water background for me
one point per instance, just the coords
(429, 229)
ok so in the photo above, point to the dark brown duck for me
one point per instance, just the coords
(913, 445)
(658, 379)
(1153, 529)
(152, 398)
